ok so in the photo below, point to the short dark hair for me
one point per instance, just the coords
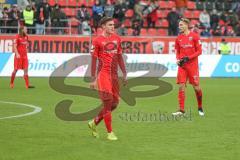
(104, 20)
(185, 20)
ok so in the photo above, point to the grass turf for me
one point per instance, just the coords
(45, 137)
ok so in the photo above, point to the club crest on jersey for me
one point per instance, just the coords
(190, 38)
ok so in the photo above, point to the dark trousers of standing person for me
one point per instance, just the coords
(150, 22)
(172, 30)
(31, 29)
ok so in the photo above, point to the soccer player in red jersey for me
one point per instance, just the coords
(107, 50)
(188, 48)
(21, 58)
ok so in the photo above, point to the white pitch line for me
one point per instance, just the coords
(35, 111)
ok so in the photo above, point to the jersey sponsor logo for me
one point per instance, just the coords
(110, 47)
(24, 42)
(186, 45)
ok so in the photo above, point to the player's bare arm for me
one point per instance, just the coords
(123, 69)
(93, 84)
(15, 49)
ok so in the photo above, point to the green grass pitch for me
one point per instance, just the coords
(43, 136)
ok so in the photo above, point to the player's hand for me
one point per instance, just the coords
(17, 55)
(124, 81)
(183, 61)
(178, 62)
(93, 85)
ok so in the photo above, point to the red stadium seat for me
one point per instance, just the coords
(51, 2)
(171, 4)
(88, 3)
(144, 32)
(72, 3)
(194, 22)
(161, 13)
(62, 3)
(166, 12)
(196, 14)
(158, 24)
(191, 5)
(152, 32)
(188, 14)
(129, 13)
(69, 12)
(162, 32)
(162, 4)
(164, 23)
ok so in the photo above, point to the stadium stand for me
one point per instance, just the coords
(193, 11)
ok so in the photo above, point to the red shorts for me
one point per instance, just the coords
(20, 63)
(108, 88)
(188, 73)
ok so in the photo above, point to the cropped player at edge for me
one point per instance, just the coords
(188, 48)
(21, 58)
(107, 50)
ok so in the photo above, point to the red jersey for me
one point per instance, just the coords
(22, 43)
(107, 51)
(188, 45)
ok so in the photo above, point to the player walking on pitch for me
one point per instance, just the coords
(107, 50)
(21, 58)
(188, 48)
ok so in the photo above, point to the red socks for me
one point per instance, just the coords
(181, 99)
(26, 80)
(105, 114)
(199, 98)
(108, 121)
(13, 77)
(99, 117)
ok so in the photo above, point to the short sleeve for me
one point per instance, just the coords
(95, 48)
(177, 49)
(16, 40)
(197, 43)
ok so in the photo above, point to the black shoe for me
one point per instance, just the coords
(31, 87)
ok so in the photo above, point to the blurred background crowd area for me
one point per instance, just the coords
(132, 17)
